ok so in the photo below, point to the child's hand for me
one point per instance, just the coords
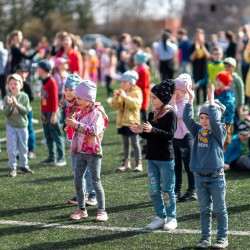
(66, 129)
(71, 122)
(147, 127)
(190, 94)
(53, 119)
(122, 93)
(210, 94)
(136, 128)
(195, 86)
(9, 100)
(226, 167)
(116, 93)
(14, 100)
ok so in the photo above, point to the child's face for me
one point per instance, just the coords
(217, 55)
(69, 94)
(229, 68)
(24, 74)
(82, 103)
(243, 137)
(179, 93)
(125, 85)
(156, 102)
(220, 84)
(63, 66)
(14, 86)
(204, 121)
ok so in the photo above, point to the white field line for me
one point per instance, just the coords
(114, 229)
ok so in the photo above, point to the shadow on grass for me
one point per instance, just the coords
(129, 207)
(11, 212)
(239, 175)
(52, 179)
(138, 176)
(73, 243)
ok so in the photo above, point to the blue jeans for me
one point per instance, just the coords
(211, 192)
(94, 164)
(87, 179)
(32, 137)
(161, 178)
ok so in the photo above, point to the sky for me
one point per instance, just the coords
(157, 9)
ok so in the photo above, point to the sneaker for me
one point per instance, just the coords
(125, 167)
(31, 155)
(48, 161)
(101, 216)
(157, 223)
(12, 173)
(138, 167)
(171, 224)
(188, 196)
(60, 163)
(91, 201)
(221, 243)
(72, 200)
(177, 195)
(26, 170)
(204, 243)
(79, 214)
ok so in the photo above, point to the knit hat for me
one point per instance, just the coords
(130, 76)
(164, 90)
(225, 77)
(86, 90)
(72, 81)
(141, 57)
(59, 61)
(204, 108)
(183, 81)
(231, 61)
(243, 128)
(22, 67)
(16, 77)
(45, 65)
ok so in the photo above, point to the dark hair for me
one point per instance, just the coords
(138, 41)
(230, 36)
(165, 36)
(182, 31)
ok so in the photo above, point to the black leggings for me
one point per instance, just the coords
(108, 81)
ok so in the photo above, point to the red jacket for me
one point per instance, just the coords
(75, 61)
(49, 96)
(144, 83)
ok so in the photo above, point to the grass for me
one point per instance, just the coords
(42, 197)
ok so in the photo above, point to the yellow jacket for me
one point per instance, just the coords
(246, 55)
(128, 107)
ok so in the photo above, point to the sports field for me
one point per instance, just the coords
(34, 213)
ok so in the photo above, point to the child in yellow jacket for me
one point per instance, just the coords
(128, 100)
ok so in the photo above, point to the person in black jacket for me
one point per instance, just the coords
(159, 131)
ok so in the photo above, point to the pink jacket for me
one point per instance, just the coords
(178, 109)
(88, 135)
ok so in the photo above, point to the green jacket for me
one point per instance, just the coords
(237, 87)
(17, 115)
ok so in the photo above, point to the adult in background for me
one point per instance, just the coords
(232, 45)
(3, 63)
(73, 56)
(199, 54)
(166, 54)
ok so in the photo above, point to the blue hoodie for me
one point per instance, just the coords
(207, 154)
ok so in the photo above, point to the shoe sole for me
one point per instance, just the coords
(72, 202)
(78, 218)
(101, 220)
(91, 204)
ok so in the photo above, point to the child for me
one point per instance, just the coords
(49, 108)
(128, 102)
(23, 71)
(237, 155)
(207, 163)
(143, 81)
(89, 125)
(71, 109)
(16, 108)
(237, 87)
(227, 98)
(159, 131)
(93, 64)
(182, 141)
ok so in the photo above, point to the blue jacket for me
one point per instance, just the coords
(207, 154)
(227, 98)
(234, 150)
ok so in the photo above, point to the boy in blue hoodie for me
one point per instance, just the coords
(207, 163)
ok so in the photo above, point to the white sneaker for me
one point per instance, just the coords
(157, 223)
(138, 168)
(170, 225)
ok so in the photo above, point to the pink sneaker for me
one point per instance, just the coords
(79, 214)
(101, 216)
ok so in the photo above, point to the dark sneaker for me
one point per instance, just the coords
(178, 195)
(26, 170)
(48, 161)
(60, 163)
(188, 196)
(72, 200)
(91, 201)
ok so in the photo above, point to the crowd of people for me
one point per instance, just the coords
(169, 136)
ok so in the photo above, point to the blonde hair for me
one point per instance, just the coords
(11, 36)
